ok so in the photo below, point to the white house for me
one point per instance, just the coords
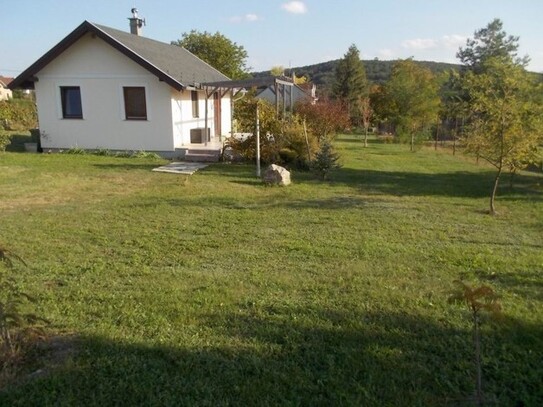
(305, 92)
(5, 93)
(101, 88)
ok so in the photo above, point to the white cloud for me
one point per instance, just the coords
(453, 41)
(295, 7)
(251, 17)
(386, 53)
(420, 43)
(246, 18)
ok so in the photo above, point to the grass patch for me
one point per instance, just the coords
(218, 290)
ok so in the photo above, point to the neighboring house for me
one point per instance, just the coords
(5, 93)
(305, 92)
(101, 88)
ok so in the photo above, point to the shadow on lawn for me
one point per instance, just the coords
(459, 184)
(285, 356)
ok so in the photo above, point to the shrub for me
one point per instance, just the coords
(5, 140)
(325, 161)
(325, 118)
(18, 114)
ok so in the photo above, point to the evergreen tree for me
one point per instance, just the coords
(490, 42)
(325, 161)
(351, 84)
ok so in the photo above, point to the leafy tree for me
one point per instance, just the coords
(350, 81)
(278, 70)
(506, 117)
(324, 118)
(490, 42)
(300, 80)
(218, 51)
(411, 99)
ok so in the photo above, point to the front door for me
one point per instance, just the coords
(217, 113)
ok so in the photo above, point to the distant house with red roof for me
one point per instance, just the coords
(5, 93)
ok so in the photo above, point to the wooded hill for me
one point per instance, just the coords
(376, 71)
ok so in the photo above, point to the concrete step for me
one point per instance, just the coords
(201, 157)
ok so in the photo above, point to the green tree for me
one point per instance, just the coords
(411, 99)
(350, 82)
(218, 51)
(277, 70)
(505, 117)
(490, 42)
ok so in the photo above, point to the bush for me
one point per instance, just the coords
(325, 118)
(18, 114)
(5, 140)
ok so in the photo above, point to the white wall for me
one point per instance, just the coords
(183, 121)
(5, 93)
(101, 72)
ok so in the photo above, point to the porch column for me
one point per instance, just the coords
(206, 118)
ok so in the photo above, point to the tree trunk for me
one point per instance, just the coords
(455, 134)
(494, 191)
(365, 137)
(412, 142)
(437, 137)
(307, 143)
(479, 374)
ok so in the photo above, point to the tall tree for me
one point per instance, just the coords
(503, 102)
(506, 118)
(490, 42)
(350, 82)
(218, 51)
(412, 99)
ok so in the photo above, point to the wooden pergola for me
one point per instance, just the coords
(279, 85)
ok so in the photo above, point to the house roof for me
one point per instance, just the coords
(170, 63)
(5, 81)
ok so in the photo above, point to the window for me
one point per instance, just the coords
(134, 103)
(70, 98)
(195, 107)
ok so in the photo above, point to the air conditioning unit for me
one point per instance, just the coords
(197, 135)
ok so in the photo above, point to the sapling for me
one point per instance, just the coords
(477, 300)
(13, 319)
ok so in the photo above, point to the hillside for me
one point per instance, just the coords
(377, 71)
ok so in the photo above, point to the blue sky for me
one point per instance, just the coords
(280, 32)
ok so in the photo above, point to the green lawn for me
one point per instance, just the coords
(216, 290)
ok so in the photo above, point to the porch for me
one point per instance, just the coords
(201, 152)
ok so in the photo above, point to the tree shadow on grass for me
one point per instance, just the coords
(453, 184)
(527, 284)
(275, 355)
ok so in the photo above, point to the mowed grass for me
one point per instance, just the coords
(216, 290)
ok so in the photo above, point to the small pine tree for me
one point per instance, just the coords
(325, 161)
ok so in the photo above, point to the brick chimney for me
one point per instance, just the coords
(136, 23)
